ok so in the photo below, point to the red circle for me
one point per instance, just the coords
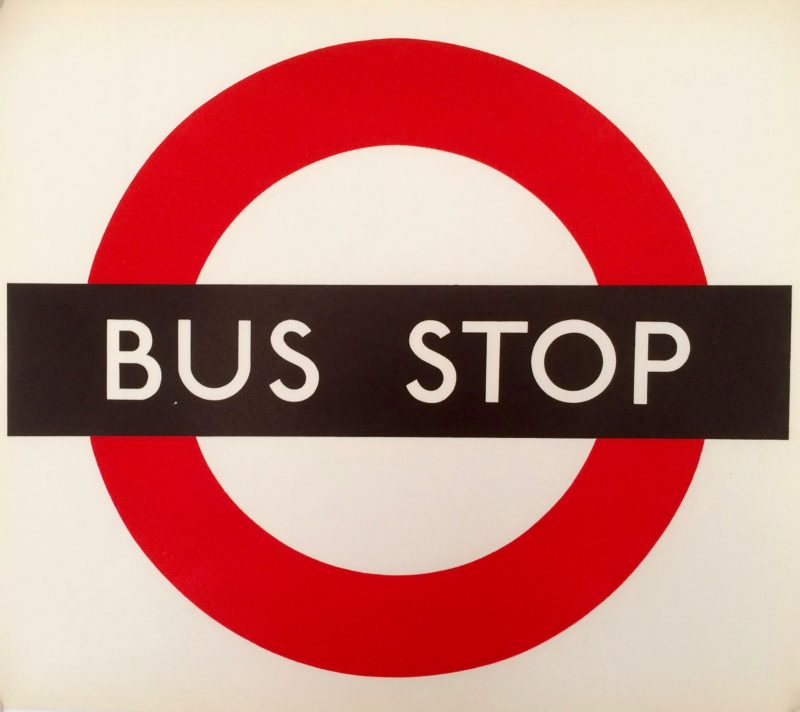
(450, 98)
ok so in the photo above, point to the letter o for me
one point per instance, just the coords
(573, 326)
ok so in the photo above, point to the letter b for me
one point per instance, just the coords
(115, 357)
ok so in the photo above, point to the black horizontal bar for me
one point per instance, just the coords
(735, 383)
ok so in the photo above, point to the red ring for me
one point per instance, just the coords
(454, 99)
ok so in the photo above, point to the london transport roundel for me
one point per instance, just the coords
(431, 95)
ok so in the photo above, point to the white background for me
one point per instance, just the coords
(706, 90)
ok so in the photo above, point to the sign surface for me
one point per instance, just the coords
(650, 362)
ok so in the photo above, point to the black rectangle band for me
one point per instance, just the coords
(734, 384)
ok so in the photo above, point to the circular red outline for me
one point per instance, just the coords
(417, 93)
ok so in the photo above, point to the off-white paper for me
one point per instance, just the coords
(709, 92)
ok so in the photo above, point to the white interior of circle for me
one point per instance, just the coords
(389, 215)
